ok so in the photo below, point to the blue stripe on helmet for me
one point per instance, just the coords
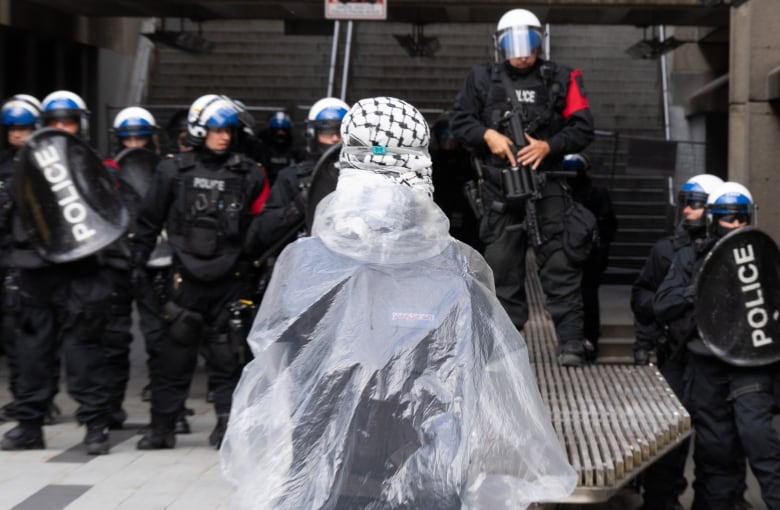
(18, 116)
(331, 113)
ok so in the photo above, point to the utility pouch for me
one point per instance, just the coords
(580, 233)
(185, 327)
(203, 240)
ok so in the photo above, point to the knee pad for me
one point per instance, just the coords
(185, 327)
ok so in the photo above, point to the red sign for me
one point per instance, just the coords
(356, 9)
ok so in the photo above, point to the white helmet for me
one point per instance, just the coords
(730, 199)
(134, 121)
(211, 110)
(518, 34)
(694, 193)
(324, 114)
(21, 110)
(66, 104)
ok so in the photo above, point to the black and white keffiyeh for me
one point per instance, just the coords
(388, 136)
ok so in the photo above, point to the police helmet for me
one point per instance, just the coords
(63, 104)
(730, 201)
(518, 34)
(280, 120)
(324, 114)
(209, 111)
(134, 121)
(22, 110)
(578, 164)
(694, 193)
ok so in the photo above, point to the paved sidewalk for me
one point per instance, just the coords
(64, 477)
(186, 478)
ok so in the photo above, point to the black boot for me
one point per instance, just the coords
(117, 420)
(215, 438)
(96, 440)
(23, 437)
(182, 426)
(160, 434)
(52, 412)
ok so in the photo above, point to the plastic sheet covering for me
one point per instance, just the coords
(386, 374)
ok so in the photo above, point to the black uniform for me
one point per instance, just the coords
(10, 302)
(555, 111)
(116, 261)
(206, 201)
(731, 406)
(452, 169)
(62, 306)
(598, 201)
(664, 481)
(285, 210)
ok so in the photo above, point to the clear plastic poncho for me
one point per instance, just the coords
(386, 373)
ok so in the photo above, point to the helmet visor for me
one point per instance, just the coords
(517, 42)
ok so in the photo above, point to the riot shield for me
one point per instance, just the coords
(136, 168)
(323, 181)
(68, 202)
(738, 299)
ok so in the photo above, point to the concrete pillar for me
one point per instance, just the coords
(754, 127)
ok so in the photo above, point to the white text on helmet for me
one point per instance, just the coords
(757, 315)
(73, 209)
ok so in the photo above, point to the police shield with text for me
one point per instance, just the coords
(742, 328)
(205, 198)
(731, 402)
(70, 206)
(70, 209)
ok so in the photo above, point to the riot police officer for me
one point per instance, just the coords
(20, 117)
(523, 92)
(731, 406)
(64, 303)
(599, 202)
(664, 481)
(135, 133)
(285, 210)
(205, 199)
(278, 138)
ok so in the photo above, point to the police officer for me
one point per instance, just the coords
(598, 201)
(132, 128)
(452, 172)
(61, 304)
(285, 210)
(664, 481)
(176, 131)
(278, 137)
(550, 101)
(20, 117)
(205, 199)
(731, 407)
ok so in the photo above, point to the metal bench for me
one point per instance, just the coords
(613, 420)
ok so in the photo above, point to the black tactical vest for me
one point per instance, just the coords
(209, 216)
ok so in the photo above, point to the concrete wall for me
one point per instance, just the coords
(754, 134)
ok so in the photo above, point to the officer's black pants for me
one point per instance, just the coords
(505, 251)
(118, 338)
(664, 480)
(64, 303)
(174, 367)
(732, 412)
(150, 318)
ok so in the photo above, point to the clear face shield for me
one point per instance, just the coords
(690, 209)
(517, 42)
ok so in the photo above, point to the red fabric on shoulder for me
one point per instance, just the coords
(575, 99)
(259, 203)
